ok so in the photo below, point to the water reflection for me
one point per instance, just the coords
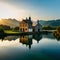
(57, 34)
(28, 39)
(37, 37)
(46, 48)
(57, 37)
(10, 38)
(2, 37)
(24, 39)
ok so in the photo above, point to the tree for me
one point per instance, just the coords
(49, 28)
(1, 30)
(58, 28)
(16, 29)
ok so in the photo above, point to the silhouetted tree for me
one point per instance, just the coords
(1, 31)
(16, 29)
(5, 27)
(48, 28)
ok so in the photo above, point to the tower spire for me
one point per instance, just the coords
(29, 18)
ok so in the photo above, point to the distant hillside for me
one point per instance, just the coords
(50, 22)
(9, 22)
(15, 23)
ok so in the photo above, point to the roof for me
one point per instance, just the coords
(27, 21)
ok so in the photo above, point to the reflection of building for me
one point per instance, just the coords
(26, 25)
(2, 37)
(26, 40)
(37, 37)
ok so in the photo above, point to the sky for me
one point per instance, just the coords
(37, 9)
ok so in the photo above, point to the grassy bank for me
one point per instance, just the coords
(11, 32)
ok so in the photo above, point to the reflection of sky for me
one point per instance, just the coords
(44, 48)
(43, 42)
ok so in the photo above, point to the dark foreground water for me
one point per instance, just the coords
(30, 47)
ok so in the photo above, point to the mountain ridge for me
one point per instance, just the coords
(9, 22)
(50, 22)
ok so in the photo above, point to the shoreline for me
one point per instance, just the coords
(26, 33)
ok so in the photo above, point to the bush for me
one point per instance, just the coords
(58, 28)
(1, 30)
(16, 29)
(49, 28)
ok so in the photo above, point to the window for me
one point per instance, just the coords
(20, 29)
(26, 29)
(23, 29)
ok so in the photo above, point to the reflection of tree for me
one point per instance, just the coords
(57, 37)
(26, 40)
(2, 37)
(49, 36)
(9, 38)
(37, 37)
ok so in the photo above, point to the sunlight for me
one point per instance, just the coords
(9, 11)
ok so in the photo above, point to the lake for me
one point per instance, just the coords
(30, 47)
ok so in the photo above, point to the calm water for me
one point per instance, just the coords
(29, 47)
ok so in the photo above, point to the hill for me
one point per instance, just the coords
(50, 22)
(9, 22)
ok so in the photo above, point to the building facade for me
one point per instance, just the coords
(26, 25)
(37, 27)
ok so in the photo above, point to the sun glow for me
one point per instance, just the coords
(9, 11)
